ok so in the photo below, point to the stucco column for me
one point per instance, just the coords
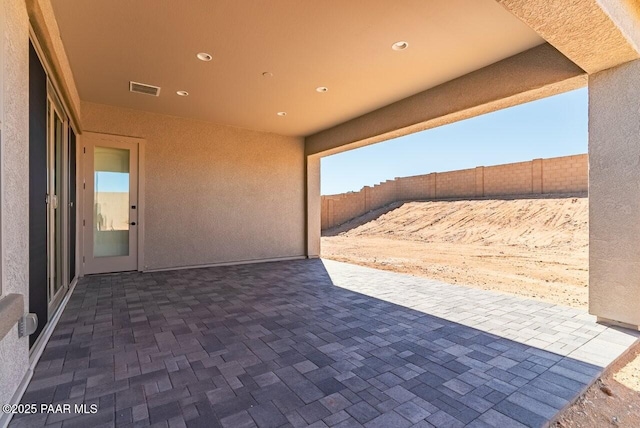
(314, 205)
(614, 194)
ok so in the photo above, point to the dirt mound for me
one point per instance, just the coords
(531, 247)
(523, 222)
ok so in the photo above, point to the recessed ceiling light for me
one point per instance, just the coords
(267, 74)
(203, 56)
(182, 93)
(322, 89)
(399, 46)
(282, 113)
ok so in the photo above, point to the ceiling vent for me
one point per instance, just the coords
(142, 88)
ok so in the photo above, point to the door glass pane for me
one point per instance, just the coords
(50, 232)
(57, 207)
(111, 202)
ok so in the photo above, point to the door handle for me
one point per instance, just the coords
(133, 223)
(51, 200)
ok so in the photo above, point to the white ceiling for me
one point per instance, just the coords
(344, 45)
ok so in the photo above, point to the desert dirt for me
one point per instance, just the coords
(535, 248)
(613, 401)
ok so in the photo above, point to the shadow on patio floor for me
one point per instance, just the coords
(311, 342)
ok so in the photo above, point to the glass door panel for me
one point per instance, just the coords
(111, 212)
(111, 202)
(58, 215)
(56, 210)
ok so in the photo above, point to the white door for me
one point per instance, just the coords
(110, 204)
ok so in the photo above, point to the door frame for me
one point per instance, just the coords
(62, 256)
(72, 187)
(85, 218)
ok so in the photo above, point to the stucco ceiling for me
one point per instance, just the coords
(343, 45)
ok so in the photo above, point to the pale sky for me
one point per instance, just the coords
(555, 126)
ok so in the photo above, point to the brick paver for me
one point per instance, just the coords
(312, 343)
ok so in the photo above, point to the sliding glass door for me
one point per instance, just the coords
(52, 176)
(39, 113)
(57, 211)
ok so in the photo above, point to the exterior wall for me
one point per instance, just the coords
(416, 187)
(564, 175)
(594, 34)
(479, 181)
(509, 179)
(214, 194)
(46, 29)
(381, 194)
(614, 186)
(14, 182)
(313, 206)
(536, 176)
(557, 175)
(537, 73)
(341, 208)
(456, 184)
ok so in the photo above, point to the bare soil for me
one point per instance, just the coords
(613, 401)
(535, 248)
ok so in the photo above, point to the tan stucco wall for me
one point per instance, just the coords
(14, 116)
(565, 174)
(214, 194)
(595, 34)
(614, 187)
(534, 74)
(45, 27)
(313, 206)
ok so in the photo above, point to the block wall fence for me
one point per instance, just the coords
(567, 174)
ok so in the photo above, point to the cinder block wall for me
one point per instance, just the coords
(556, 175)
(508, 179)
(566, 174)
(455, 184)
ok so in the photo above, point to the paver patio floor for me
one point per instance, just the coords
(312, 343)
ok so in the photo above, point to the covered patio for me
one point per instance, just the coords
(312, 342)
(160, 210)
